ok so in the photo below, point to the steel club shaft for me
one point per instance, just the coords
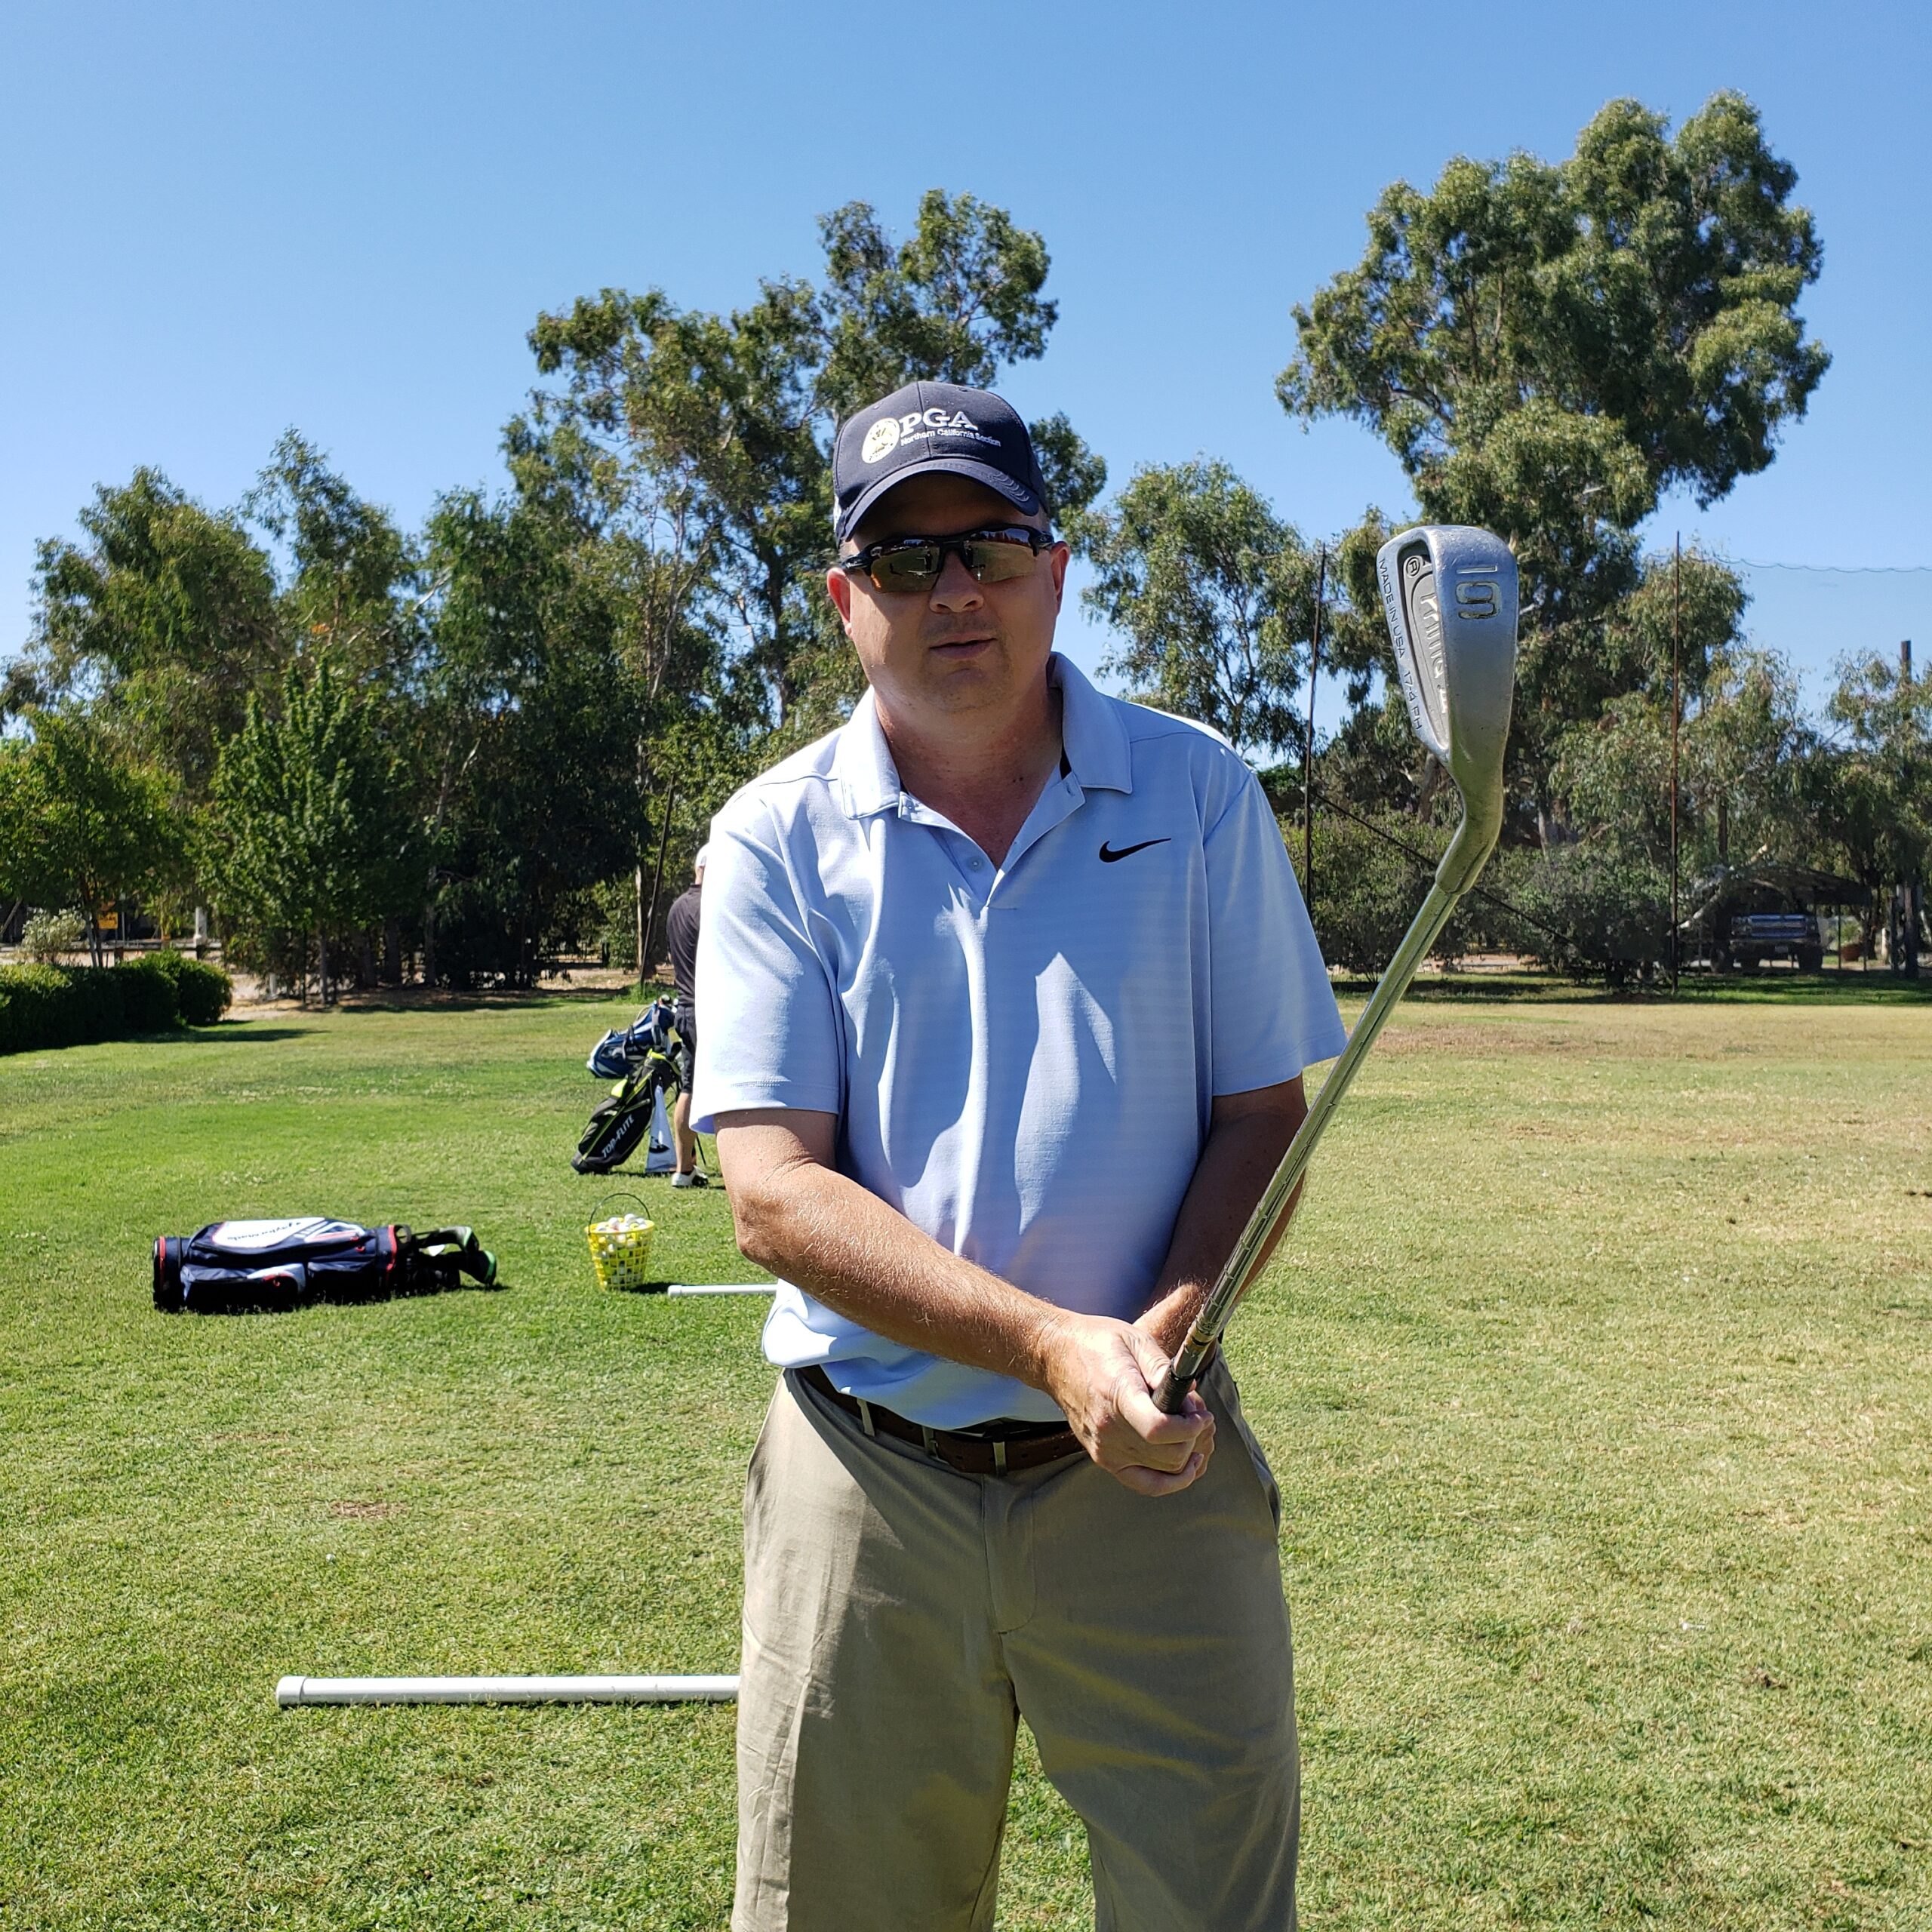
(1449, 596)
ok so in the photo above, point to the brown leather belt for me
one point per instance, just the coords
(1019, 1445)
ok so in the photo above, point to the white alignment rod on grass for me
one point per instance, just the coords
(720, 1287)
(506, 1690)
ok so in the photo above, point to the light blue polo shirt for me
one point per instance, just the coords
(1022, 1057)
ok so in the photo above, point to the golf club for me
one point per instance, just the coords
(1450, 593)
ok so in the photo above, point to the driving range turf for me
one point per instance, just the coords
(1597, 1373)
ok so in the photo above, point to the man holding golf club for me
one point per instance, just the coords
(1008, 991)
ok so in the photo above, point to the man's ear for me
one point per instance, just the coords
(839, 588)
(1059, 557)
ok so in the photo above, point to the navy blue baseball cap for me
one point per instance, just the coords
(932, 425)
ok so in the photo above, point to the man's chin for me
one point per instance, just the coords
(970, 684)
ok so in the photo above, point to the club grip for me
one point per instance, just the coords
(1171, 1395)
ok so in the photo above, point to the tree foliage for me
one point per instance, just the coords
(732, 416)
(1874, 792)
(1213, 595)
(83, 823)
(308, 833)
(1547, 349)
(532, 724)
(165, 619)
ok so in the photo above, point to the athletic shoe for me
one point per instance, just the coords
(693, 1179)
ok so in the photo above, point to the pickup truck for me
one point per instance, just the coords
(1757, 936)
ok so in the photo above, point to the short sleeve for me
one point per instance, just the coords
(1273, 1012)
(768, 1033)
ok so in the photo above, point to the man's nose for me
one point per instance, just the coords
(956, 588)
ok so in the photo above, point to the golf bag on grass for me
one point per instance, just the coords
(651, 1063)
(233, 1265)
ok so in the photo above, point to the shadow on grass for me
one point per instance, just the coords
(1836, 988)
(414, 999)
(218, 1311)
(225, 1033)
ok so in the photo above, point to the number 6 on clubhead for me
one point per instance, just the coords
(1450, 597)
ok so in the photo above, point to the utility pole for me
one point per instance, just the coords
(1912, 891)
(1308, 742)
(1676, 722)
(657, 879)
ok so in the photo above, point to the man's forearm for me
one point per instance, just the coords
(797, 1215)
(1245, 1142)
(848, 1249)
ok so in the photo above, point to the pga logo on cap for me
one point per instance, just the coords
(886, 435)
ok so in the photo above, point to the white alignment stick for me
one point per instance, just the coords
(506, 1691)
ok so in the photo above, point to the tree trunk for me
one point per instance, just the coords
(200, 931)
(321, 966)
(392, 952)
(365, 973)
(430, 939)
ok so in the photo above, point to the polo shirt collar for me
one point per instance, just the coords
(1092, 730)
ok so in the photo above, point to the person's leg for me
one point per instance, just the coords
(683, 1141)
(1155, 1670)
(875, 1726)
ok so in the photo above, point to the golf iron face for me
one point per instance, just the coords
(1450, 595)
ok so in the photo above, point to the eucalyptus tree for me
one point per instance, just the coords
(164, 620)
(1213, 596)
(731, 417)
(1874, 794)
(1549, 349)
(351, 578)
(532, 704)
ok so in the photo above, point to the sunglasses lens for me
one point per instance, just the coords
(916, 566)
(997, 560)
(910, 566)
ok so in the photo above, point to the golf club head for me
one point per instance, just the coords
(1450, 593)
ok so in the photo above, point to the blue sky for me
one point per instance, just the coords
(219, 220)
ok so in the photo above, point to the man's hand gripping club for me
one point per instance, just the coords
(1103, 1374)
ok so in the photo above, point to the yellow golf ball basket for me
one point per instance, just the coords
(620, 1247)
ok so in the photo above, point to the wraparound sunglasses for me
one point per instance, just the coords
(914, 563)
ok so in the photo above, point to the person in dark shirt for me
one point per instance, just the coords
(681, 930)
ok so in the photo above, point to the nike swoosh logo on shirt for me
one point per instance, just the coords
(1108, 855)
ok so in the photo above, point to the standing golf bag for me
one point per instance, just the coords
(651, 1063)
(231, 1266)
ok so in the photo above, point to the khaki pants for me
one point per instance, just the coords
(900, 1619)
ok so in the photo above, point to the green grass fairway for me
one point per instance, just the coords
(1598, 1375)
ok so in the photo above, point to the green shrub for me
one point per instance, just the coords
(1368, 889)
(149, 1003)
(59, 1006)
(33, 1008)
(99, 1007)
(206, 991)
(47, 935)
(1613, 908)
(69, 1006)
(203, 993)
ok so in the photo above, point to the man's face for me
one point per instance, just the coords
(962, 646)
